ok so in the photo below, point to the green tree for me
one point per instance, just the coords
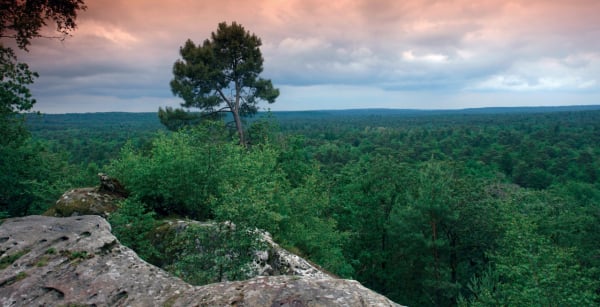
(15, 96)
(179, 174)
(364, 195)
(528, 267)
(213, 252)
(32, 177)
(175, 119)
(22, 20)
(222, 75)
(26, 173)
(440, 229)
(132, 224)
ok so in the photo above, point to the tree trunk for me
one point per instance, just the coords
(236, 115)
(239, 127)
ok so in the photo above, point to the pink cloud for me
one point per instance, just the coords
(457, 45)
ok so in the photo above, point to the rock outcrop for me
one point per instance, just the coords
(111, 185)
(76, 260)
(84, 201)
(278, 261)
(271, 261)
(101, 200)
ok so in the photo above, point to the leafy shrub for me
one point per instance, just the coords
(200, 174)
(205, 254)
(132, 225)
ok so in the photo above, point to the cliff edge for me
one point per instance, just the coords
(76, 260)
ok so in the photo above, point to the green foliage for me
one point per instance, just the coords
(414, 223)
(175, 119)
(20, 276)
(308, 225)
(221, 75)
(30, 175)
(14, 93)
(256, 194)
(132, 224)
(96, 138)
(482, 288)
(424, 227)
(427, 208)
(263, 130)
(249, 190)
(363, 199)
(77, 256)
(201, 175)
(178, 174)
(213, 253)
(22, 20)
(528, 267)
(32, 178)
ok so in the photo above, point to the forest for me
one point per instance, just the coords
(473, 207)
(476, 207)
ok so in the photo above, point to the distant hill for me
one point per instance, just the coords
(122, 120)
(150, 121)
(413, 112)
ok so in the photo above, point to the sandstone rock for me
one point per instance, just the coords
(84, 201)
(76, 260)
(101, 200)
(60, 261)
(272, 261)
(278, 261)
(111, 185)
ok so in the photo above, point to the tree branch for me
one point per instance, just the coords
(225, 99)
(221, 110)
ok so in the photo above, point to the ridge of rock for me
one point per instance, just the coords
(76, 260)
(101, 200)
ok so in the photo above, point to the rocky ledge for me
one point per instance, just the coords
(76, 260)
(101, 200)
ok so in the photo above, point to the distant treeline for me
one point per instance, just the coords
(482, 207)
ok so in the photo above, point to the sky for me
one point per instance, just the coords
(335, 54)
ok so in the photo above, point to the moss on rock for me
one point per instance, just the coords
(84, 201)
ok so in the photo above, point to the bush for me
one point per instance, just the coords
(178, 175)
(132, 225)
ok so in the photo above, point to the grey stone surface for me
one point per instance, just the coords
(85, 201)
(76, 260)
(278, 261)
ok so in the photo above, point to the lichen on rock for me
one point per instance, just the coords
(85, 264)
(84, 201)
(101, 200)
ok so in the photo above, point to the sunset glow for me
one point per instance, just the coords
(336, 54)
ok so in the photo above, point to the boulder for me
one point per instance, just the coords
(84, 201)
(53, 261)
(101, 200)
(111, 185)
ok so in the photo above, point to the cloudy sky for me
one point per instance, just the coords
(335, 54)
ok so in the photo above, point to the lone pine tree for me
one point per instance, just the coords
(221, 76)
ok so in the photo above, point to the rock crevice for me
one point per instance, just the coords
(76, 260)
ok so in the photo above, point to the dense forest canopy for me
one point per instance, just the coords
(479, 207)
(472, 207)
